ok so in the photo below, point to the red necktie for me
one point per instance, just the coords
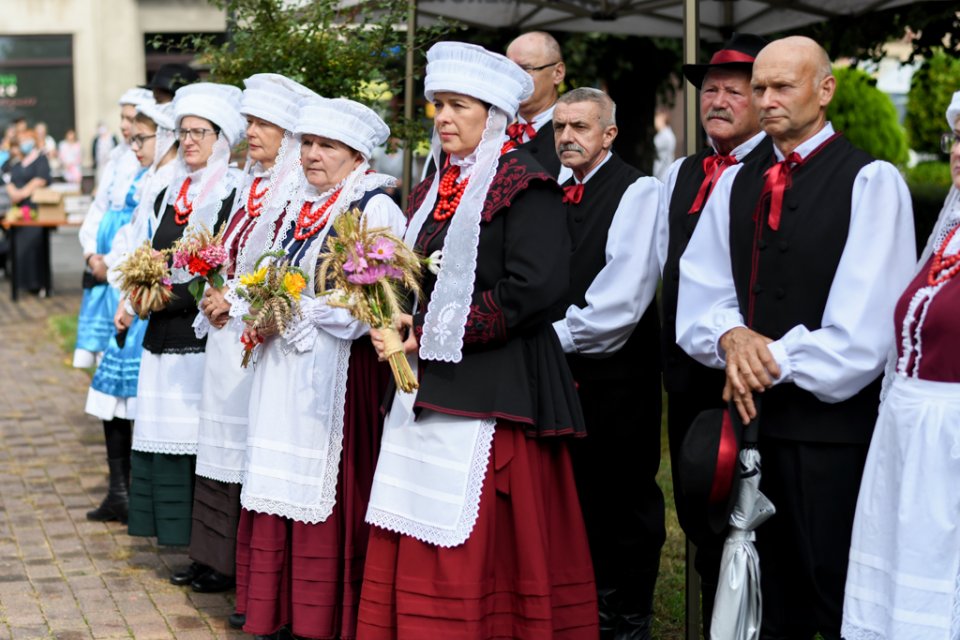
(776, 181)
(713, 167)
(573, 194)
(516, 130)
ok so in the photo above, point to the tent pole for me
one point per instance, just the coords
(408, 89)
(691, 130)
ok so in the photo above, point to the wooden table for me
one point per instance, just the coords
(12, 229)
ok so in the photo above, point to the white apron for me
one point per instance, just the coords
(168, 403)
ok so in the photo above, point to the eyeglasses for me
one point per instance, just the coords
(136, 142)
(530, 69)
(196, 135)
(948, 141)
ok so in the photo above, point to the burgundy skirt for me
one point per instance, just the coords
(307, 576)
(524, 572)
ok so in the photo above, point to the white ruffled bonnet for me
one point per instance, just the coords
(274, 98)
(355, 125)
(464, 68)
(218, 103)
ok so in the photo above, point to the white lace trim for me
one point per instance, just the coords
(282, 509)
(238, 306)
(201, 325)
(471, 509)
(162, 446)
(852, 632)
(446, 318)
(231, 476)
(301, 333)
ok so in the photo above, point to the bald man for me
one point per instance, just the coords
(789, 284)
(538, 53)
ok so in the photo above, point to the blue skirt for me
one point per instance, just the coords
(120, 367)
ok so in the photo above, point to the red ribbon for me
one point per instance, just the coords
(713, 167)
(776, 181)
(726, 56)
(516, 130)
(726, 462)
(573, 194)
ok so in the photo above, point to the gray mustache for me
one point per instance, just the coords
(723, 114)
(570, 146)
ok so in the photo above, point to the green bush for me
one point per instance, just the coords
(931, 88)
(867, 117)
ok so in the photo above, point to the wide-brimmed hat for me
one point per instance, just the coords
(709, 471)
(171, 77)
(738, 52)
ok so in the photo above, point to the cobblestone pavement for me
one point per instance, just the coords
(62, 576)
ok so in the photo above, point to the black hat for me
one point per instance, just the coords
(709, 470)
(738, 52)
(171, 77)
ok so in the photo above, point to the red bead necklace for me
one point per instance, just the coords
(449, 193)
(182, 214)
(254, 199)
(939, 264)
(310, 222)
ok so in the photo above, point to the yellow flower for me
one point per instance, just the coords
(294, 284)
(257, 277)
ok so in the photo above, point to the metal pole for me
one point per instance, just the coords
(408, 89)
(691, 131)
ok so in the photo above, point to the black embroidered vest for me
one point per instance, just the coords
(795, 268)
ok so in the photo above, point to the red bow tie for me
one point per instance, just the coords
(573, 194)
(777, 180)
(516, 130)
(713, 167)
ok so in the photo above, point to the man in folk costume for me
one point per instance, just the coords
(732, 125)
(538, 53)
(789, 283)
(611, 213)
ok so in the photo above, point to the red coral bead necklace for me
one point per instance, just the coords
(449, 193)
(309, 222)
(182, 213)
(255, 199)
(939, 264)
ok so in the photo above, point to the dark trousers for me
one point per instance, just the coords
(682, 409)
(804, 547)
(616, 473)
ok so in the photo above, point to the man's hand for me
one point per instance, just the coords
(750, 368)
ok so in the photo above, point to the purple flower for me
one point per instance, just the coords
(367, 276)
(382, 249)
(355, 264)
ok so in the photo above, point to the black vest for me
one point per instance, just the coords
(795, 270)
(681, 373)
(543, 149)
(589, 224)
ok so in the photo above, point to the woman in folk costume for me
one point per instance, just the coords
(113, 207)
(171, 369)
(314, 407)
(113, 391)
(270, 103)
(478, 527)
(903, 580)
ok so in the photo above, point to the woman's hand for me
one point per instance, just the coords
(98, 267)
(122, 319)
(214, 305)
(404, 325)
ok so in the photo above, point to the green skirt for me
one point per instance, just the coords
(161, 496)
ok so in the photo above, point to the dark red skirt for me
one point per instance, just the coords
(524, 572)
(307, 576)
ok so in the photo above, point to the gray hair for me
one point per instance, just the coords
(608, 108)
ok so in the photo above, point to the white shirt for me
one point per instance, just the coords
(665, 142)
(837, 360)
(112, 190)
(663, 229)
(621, 292)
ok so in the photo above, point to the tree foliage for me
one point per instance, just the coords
(931, 88)
(355, 52)
(867, 117)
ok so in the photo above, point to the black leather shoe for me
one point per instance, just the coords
(634, 627)
(186, 576)
(213, 582)
(237, 620)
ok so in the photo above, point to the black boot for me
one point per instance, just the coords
(114, 506)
